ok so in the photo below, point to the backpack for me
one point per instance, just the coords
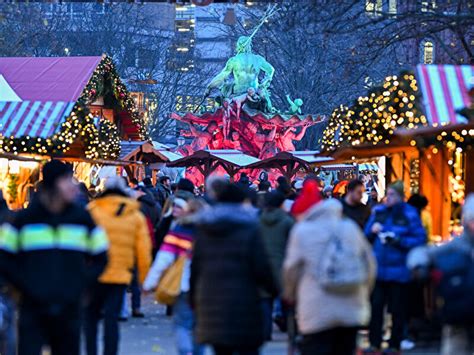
(342, 268)
(455, 289)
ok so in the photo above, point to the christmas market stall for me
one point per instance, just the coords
(291, 162)
(153, 155)
(72, 108)
(418, 126)
(207, 162)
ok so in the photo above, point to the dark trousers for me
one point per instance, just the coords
(59, 329)
(106, 299)
(391, 295)
(336, 341)
(230, 350)
(136, 292)
(267, 308)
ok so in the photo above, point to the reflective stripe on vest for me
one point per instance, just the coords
(8, 238)
(44, 237)
(98, 242)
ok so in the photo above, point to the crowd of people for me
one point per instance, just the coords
(229, 261)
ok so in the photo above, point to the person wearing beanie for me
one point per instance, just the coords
(185, 185)
(394, 228)
(310, 196)
(130, 246)
(451, 267)
(328, 321)
(52, 252)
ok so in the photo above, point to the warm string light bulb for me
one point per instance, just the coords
(374, 117)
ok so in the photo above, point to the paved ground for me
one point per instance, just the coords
(154, 335)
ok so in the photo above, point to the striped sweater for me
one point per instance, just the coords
(177, 242)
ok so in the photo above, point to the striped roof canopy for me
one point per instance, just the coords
(445, 90)
(40, 119)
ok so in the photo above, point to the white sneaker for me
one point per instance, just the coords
(407, 344)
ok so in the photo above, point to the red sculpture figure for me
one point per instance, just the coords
(218, 140)
(285, 140)
(227, 116)
(258, 139)
(234, 143)
(202, 138)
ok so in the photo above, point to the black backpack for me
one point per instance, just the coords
(456, 286)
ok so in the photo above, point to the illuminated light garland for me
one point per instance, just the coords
(99, 143)
(95, 87)
(79, 122)
(373, 118)
(109, 140)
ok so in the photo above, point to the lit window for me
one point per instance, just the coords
(374, 7)
(427, 52)
(392, 7)
(428, 5)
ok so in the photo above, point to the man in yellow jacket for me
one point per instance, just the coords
(129, 242)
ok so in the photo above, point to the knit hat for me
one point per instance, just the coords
(274, 199)
(399, 187)
(468, 208)
(117, 183)
(310, 196)
(185, 185)
(54, 170)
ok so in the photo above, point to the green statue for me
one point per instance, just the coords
(295, 106)
(244, 67)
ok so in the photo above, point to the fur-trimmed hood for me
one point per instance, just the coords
(225, 216)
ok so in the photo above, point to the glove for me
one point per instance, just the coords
(392, 240)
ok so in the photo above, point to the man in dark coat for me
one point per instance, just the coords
(352, 205)
(275, 226)
(228, 268)
(52, 252)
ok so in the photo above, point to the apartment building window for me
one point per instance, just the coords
(183, 47)
(187, 103)
(427, 52)
(392, 7)
(428, 5)
(374, 7)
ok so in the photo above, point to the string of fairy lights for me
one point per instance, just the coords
(109, 140)
(99, 142)
(373, 118)
(106, 71)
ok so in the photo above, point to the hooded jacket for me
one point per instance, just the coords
(228, 268)
(128, 235)
(318, 309)
(275, 226)
(404, 221)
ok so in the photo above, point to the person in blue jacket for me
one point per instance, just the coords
(394, 228)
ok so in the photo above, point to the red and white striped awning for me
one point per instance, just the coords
(39, 119)
(445, 91)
